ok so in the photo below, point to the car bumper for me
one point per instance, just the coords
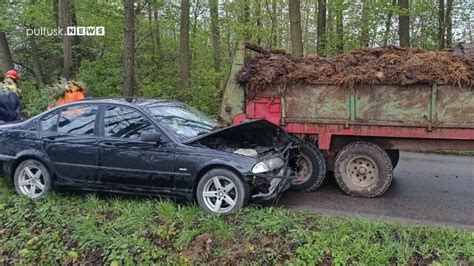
(278, 183)
(281, 185)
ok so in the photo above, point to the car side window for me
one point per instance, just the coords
(49, 122)
(78, 120)
(125, 122)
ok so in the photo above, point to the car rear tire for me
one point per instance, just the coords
(222, 191)
(32, 179)
(310, 169)
(363, 169)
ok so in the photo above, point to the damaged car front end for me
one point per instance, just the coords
(273, 176)
(268, 145)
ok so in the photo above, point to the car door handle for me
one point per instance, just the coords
(107, 144)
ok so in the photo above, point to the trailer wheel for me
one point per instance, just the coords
(363, 169)
(310, 169)
(394, 157)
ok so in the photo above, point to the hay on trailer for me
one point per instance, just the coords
(386, 65)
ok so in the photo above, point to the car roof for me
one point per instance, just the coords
(131, 101)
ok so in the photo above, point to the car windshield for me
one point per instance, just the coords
(184, 121)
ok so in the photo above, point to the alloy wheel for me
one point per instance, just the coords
(31, 182)
(220, 194)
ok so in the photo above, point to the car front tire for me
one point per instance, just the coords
(222, 191)
(32, 179)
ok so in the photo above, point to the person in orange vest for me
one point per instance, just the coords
(66, 92)
(10, 103)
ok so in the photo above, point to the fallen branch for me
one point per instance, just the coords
(259, 49)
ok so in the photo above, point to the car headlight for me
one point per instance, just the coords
(268, 165)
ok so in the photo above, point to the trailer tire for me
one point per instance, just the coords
(363, 169)
(394, 157)
(311, 169)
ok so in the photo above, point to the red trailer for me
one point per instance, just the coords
(357, 132)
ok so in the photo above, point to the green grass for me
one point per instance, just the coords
(66, 229)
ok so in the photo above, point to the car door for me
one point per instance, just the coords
(69, 138)
(126, 162)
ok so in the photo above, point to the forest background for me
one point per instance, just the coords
(183, 49)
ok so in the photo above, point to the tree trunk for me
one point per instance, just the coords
(67, 40)
(184, 57)
(34, 55)
(364, 33)
(246, 20)
(151, 22)
(449, 23)
(129, 49)
(56, 12)
(72, 13)
(340, 28)
(306, 11)
(404, 24)
(388, 24)
(35, 62)
(157, 36)
(321, 28)
(295, 29)
(195, 10)
(274, 23)
(258, 21)
(6, 60)
(216, 36)
(272, 41)
(441, 37)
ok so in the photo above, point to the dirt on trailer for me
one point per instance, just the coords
(389, 65)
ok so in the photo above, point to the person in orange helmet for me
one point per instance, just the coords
(10, 103)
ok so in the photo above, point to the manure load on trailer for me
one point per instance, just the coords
(358, 108)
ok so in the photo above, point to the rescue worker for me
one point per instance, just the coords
(10, 104)
(67, 91)
(10, 81)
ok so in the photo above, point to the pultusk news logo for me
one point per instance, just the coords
(70, 31)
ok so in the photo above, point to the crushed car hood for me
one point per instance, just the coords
(253, 138)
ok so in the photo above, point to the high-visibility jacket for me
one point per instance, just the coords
(9, 84)
(72, 92)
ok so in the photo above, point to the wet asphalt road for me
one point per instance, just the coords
(426, 189)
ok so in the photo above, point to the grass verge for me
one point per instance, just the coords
(75, 229)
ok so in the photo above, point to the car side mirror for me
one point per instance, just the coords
(153, 137)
